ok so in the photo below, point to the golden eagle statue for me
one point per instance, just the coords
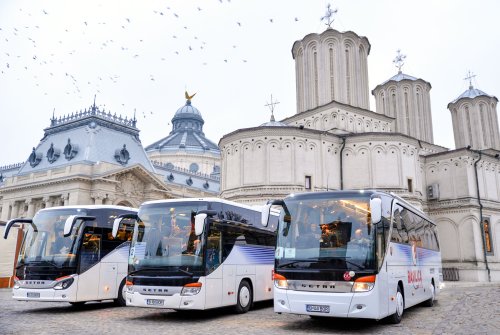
(189, 97)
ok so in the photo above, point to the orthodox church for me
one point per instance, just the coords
(334, 141)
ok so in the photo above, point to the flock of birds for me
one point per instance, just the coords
(32, 62)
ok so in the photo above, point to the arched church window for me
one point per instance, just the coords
(488, 245)
(332, 83)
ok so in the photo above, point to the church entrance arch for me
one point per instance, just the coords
(125, 203)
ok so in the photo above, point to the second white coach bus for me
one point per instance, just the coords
(68, 254)
(196, 254)
(354, 254)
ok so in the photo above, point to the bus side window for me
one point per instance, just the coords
(90, 251)
(212, 255)
(396, 227)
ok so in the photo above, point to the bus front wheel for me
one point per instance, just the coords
(120, 300)
(245, 297)
(400, 307)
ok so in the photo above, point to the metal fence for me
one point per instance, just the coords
(450, 274)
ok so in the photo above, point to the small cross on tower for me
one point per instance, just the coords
(399, 60)
(469, 77)
(329, 15)
(271, 107)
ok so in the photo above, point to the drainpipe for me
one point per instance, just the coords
(341, 158)
(481, 224)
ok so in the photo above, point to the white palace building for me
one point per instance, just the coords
(333, 142)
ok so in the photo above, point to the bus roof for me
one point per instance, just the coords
(180, 200)
(90, 207)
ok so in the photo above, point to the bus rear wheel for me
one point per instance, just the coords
(400, 307)
(430, 302)
(245, 297)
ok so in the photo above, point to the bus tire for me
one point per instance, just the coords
(120, 300)
(400, 307)
(430, 302)
(244, 299)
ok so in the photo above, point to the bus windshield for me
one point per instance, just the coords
(45, 242)
(324, 232)
(164, 237)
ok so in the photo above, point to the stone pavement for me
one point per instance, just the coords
(463, 308)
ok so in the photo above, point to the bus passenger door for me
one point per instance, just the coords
(213, 291)
(90, 254)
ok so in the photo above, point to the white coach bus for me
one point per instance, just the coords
(68, 254)
(353, 254)
(196, 254)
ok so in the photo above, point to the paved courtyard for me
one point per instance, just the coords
(463, 308)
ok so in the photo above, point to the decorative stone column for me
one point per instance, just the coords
(64, 199)
(98, 198)
(31, 207)
(48, 202)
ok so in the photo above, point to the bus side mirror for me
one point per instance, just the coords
(199, 223)
(117, 222)
(376, 210)
(70, 222)
(12, 222)
(266, 211)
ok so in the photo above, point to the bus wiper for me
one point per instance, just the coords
(185, 271)
(295, 262)
(329, 259)
(161, 269)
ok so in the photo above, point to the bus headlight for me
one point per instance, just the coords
(191, 289)
(63, 283)
(364, 284)
(129, 285)
(280, 281)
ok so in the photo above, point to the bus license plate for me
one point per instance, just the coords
(155, 302)
(33, 294)
(318, 308)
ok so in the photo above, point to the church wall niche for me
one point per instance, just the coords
(280, 161)
(306, 157)
(489, 181)
(386, 166)
(357, 168)
(232, 159)
(449, 241)
(469, 239)
(254, 163)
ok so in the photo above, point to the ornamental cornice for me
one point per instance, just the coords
(42, 184)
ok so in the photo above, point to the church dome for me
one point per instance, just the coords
(273, 123)
(399, 77)
(187, 133)
(471, 93)
(188, 110)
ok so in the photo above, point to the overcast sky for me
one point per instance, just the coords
(142, 55)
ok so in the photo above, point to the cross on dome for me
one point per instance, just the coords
(271, 107)
(399, 60)
(329, 15)
(469, 77)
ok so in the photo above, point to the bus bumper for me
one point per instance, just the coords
(343, 305)
(175, 301)
(45, 294)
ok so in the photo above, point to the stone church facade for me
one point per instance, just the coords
(334, 141)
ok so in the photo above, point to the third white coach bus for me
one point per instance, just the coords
(354, 254)
(199, 254)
